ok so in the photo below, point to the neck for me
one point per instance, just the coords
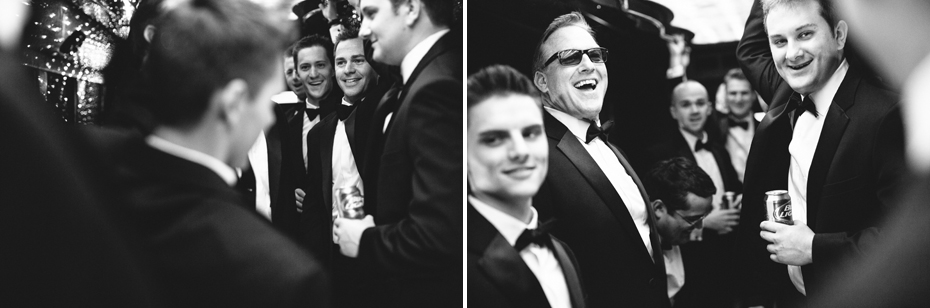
(699, 135)
(518, 208)
(198, 138)
(315, 102)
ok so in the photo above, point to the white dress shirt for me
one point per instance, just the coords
(540, 259)
(258, 159)
(345, 172)
(917, 94)
(308, 124)
(739, 141)
(608, 162)
(674, 270)
(804, 141)
(705, 159)
(224, 171)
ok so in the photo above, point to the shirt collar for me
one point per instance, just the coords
(417, 53)
(311, 106)
(691, 139)
(346, 102)
(506, 225)
(824, 97)
(578, 127)
(227, 173)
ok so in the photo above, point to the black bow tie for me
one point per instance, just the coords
(700, 145)
(741, 124)
(594, 131)
(538, 236)
(799, 106)
(343, 111)
(311, 113)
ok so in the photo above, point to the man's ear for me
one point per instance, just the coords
(840, 32)
(415, 9)
(232, 99)
(659, 208)
(539, 79)
(148, 33)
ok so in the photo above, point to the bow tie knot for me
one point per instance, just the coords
(741, 124)
(701, 145)
(343, 111)
(538, 236)
(801, 105)
(595, 131)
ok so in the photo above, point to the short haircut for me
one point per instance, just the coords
(735, 74)
(671, 181)
(499, 80)
(349, 34)
(680, 87)
(311, 41)
(570, 19)
(440, 12)
(826, 10)
(202, 45)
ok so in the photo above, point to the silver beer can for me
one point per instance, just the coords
(351, 203)
(778, 206)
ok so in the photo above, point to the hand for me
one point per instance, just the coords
(722, 221)
(737, 202)
(299, 195)
(679, 52)
(349, 233)
(791, 244)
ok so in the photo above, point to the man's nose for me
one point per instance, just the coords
(519, 151)
(586, 64)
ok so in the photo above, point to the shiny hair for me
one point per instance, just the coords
(671, 181)
(570, 19)
(826, 10)
(499, 80)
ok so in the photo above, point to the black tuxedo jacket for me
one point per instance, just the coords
(416, 247)
(498, 276)
(207, 250)
(708, 263)
(857, 165)
(616, 267)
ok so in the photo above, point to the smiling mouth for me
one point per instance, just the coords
(801, 66)
(315, 83)
(587, 84)
(352, 81)
(520, 171)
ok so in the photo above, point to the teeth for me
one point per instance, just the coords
(586, 82)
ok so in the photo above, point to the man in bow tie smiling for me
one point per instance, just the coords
(738, 127)
(591, 188)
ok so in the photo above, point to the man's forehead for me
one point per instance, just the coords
(312, 53)
(569, 37)
(803, 13)
(350, 47)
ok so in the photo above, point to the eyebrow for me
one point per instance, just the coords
(369, 10)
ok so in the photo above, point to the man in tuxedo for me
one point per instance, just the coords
(512, 260)
(313, 58)
(591, 189)
(681, 195)
(830, 138)
(709, 260)
(207, 249)
(336, 149)
(412, 243)
(738, 126)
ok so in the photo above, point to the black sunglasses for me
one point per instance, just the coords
(573, 56)
(692, 220)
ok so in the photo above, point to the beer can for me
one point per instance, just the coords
(778, 206)
(728, 199)
(351, 203)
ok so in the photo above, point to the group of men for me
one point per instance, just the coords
(228, 198)
(830, 138)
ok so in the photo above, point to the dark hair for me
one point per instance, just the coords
(202, 45)
(826, 10)
(311, 41)
(441, 12)
(671, 181)
(735, 74)
(497, 80)
(352, 33)
(570, 19)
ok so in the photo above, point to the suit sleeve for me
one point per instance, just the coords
(430, 236)
(755, 57)
(888, 168)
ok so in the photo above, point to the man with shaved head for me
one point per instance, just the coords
(592, 191)
(709, 258)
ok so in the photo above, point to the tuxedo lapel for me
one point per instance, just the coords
(653, 233)
(683, 148)
(833, 128)
(328, 132)
(570, 272)
(569, 145)
(502, 264)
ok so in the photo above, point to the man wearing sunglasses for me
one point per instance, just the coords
(591, 189)
(681, 194)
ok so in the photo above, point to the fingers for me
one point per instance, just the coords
(771, 248)
(771, 226)
(774, 258)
